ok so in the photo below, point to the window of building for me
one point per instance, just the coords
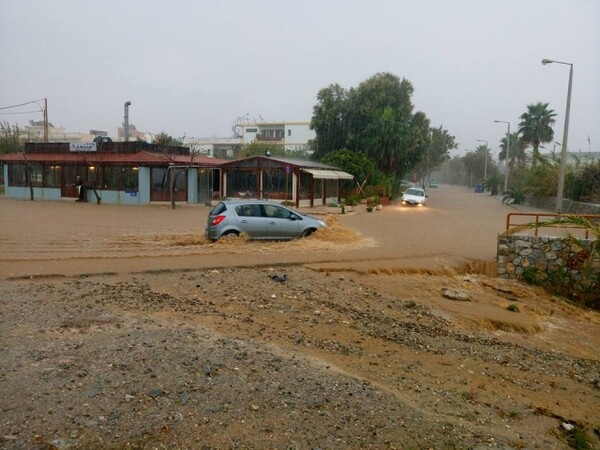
(242, 183)
(37, 179)
(130, 178)
(289, 133)
(251, 130)
(71, 173)
(17, 175)
(52, 176)
(112, 177)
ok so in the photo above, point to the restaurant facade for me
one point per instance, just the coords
(138, 173)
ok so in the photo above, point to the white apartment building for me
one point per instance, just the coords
(35, 132)
(293, 136)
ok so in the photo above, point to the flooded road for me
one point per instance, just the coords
(40, 238)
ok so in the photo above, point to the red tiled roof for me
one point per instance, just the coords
(141, 158)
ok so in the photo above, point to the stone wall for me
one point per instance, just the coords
(517, 253)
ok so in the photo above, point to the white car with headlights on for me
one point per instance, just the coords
(414, 196)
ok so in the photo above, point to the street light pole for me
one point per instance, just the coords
(486, 157)
(563, 151)
(507, 153)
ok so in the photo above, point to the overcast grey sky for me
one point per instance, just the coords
(192, 67)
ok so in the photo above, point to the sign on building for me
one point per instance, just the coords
(82, 146)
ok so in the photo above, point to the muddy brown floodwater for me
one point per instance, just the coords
(123, 327)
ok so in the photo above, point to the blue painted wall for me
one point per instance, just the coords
(192, 183)
(141, 197)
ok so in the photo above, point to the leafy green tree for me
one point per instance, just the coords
(535, 127)
(542, 180)
(473, 162)
(375, 118)
(11, 138)
(260, 149)
(437, 152)
(419, 138)
(165, 140)
(375, 94)
(329, 120)
(355, 163)
(380, 120)
(585, 185)
(381, 139)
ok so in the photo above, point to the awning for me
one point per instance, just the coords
(329, 174)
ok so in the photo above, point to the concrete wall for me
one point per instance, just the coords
(144, 185)
(568, 206)
(298, 134)
(23, 192)
(115, 197)
(192, 183)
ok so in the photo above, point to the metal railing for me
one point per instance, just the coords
(535, 219)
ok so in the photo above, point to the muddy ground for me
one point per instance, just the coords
(122, 327)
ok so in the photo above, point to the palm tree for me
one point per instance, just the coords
(536, 127)
(492, 182)
(517, 150)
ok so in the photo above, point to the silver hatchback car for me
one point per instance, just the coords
(259, 219)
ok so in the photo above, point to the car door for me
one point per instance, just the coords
(251, 221)
(280, 224)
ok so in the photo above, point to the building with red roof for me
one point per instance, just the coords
(138, 173)
(131, 173)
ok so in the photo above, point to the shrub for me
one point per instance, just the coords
(352, 200)
(514, 196)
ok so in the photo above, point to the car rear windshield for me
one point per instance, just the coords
(219, 209)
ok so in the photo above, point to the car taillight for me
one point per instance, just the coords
(217, 220)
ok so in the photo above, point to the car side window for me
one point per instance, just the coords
(277, 212)
(256, 211)
(270, 211)
(283, 213)
(248, 210)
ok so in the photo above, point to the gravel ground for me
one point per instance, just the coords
(232, 358)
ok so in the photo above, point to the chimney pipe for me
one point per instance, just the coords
(126, 123)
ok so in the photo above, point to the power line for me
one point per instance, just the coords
(23, 104)
(20, 112)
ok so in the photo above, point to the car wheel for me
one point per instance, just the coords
(307, 232)
(230, 233)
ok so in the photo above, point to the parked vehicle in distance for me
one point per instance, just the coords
(259, 219)
(433, 183)
(414, 196)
